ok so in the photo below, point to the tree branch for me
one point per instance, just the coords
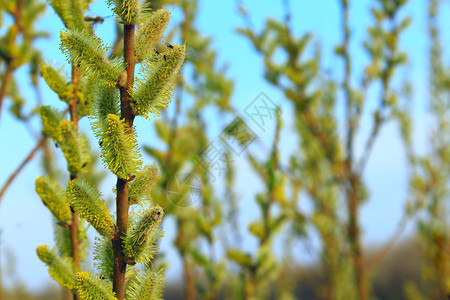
(21, 166)
(73, 228)
(122, 204)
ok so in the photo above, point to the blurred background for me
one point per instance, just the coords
(317, 133)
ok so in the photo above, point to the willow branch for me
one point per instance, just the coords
(73, 227)
(122, 204)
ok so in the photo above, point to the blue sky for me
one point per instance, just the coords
(25, 223)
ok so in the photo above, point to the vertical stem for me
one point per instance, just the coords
(189, 287)
(346, 83)
(120, 266)
(8, 73)
(73, 106)
(128, 49)
(122, 204)
(189, 280)
(189, 283)
(271, 171)
(352, 197)
(249, 284)
(75, 245)
(73, 228)
(354, 235)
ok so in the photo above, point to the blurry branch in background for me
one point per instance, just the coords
(382, 47)
(14, 30)
(259, 272)
(323, 169)
(386, 57)
(318, 163)
(16, 50)
(430, 176)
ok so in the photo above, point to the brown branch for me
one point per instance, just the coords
(354, 233)
(369, 146)
(73, 227)
(346, 84)
(188, 279)
(73, 107)
(122, 204)
(21, 166)
(350, 176)
(9, 69)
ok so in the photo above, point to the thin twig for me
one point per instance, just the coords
(368, 147)
(21, 166)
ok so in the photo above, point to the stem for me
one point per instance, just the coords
(73, 227)
(120, 266)
(180, 243)
(354, 234)
(10, 61)
(122, 185)
(8, 73)
(189, 280)
(272, 167)
(249, 284)
(73, 106)
(346, 83)
(353, 200)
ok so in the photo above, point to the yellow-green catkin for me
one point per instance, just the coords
(141, 233)
(127, 10)
(146, 285)
(150, 32)
(91, 287)
(54, 198)
(152, 95)
(104, 257)
(60, 269)
(71, 146)
(85, 200)
(57, 83)
(120, 151)
(50, 122)
(141, 187)
(87, 51)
